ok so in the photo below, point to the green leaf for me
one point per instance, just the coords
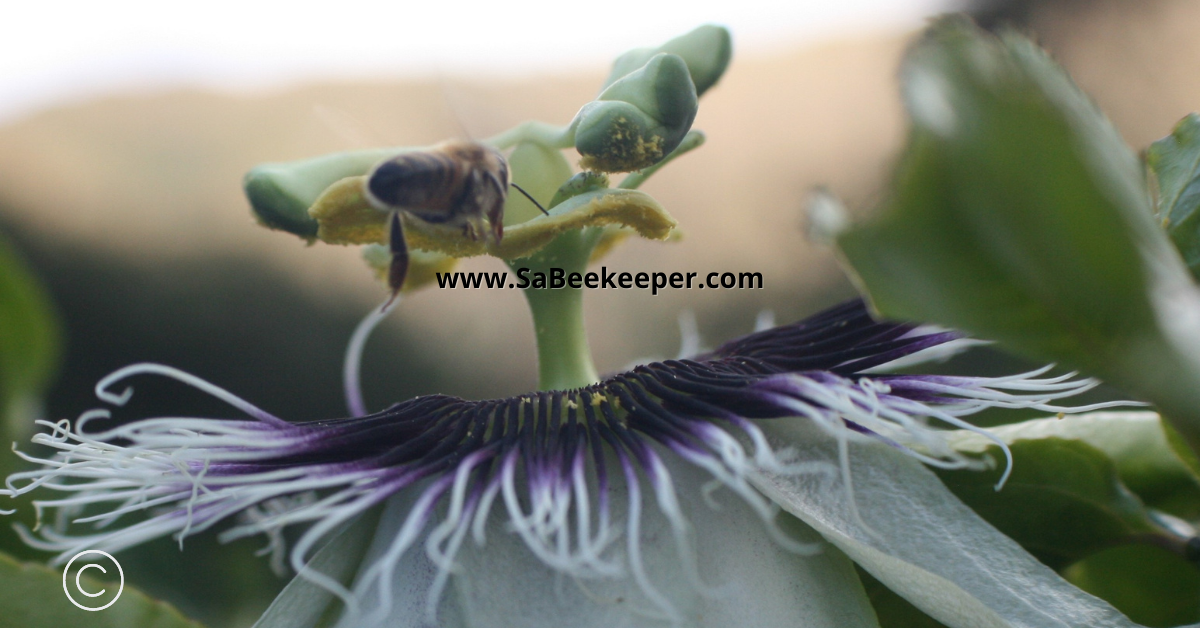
(31, 596)
(1184, 501)
(1181, 450)
(1151, 586)
(1175, 160)
(921, 541)
(1062, 503)
(30, 344)
(1147, 458)
(1018, 215)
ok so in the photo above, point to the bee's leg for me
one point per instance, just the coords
(399, 266)
(495, 208)
(497, 228)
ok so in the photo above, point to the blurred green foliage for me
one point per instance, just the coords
(1063, 501)
(1017, 214)
(1175, 162)
(30, 345)
(1150, 585)
(31, 596)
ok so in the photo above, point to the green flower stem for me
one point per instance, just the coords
(564, 357)
(549, 135)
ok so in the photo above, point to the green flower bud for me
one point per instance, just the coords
(639, 119)
(706, 50)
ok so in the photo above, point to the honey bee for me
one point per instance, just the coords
(458, 183)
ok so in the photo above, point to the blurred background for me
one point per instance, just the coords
(125, 129)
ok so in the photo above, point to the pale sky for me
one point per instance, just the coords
(55, 52)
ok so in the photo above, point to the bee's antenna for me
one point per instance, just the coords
(531, 199)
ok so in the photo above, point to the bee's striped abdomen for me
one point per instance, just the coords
(424, 182)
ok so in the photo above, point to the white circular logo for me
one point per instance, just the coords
(94, 597)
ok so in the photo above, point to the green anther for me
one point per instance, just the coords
(639, 119)
(693, 140)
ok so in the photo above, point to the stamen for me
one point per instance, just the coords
(633, 544)
(186, 378)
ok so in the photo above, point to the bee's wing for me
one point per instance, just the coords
(421, 182)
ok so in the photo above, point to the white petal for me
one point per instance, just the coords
(752, 582)
(924, 543)
(414, 575)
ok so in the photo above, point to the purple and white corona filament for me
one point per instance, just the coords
(546, 463)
